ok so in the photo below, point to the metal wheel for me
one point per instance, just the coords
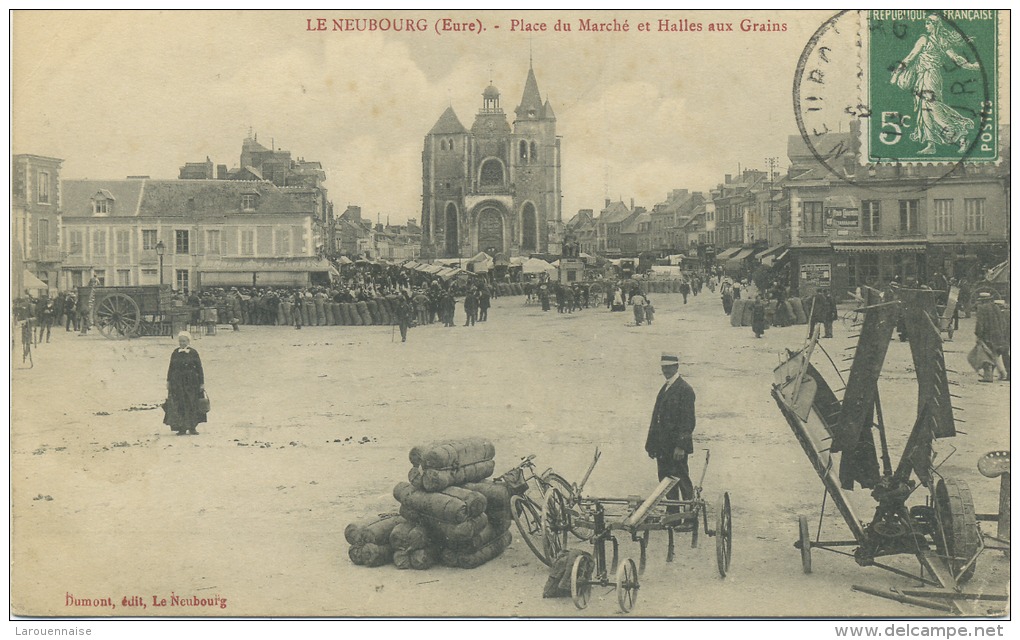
(805, 544)
(580, 580)
(555, 524)
(627, 585)
(724, 535)
(118, 316)
(954, 508)
(529, 523)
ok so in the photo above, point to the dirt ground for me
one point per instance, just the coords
(310, 431)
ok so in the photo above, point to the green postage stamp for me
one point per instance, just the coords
(932, 85)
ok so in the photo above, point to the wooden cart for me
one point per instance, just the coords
(129, 312)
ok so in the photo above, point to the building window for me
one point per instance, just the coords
(212, 242)
(871, 216)
(149, 239)
(181, 277)
(247, 242)
(908, 216)
(524, 150)
(99, 243)
(149, 276)
(534, 152)
(101, 207)
(491, 173)
(814, 221)
(74, 242)
(77, 278)
(44, 187)
(182, 242)
(943, 216)
(123, 242)
(44, 232)
(442, 145)
(248, 201)
(449, 144)
(974, 208)
(863, 269)
(100, 275)
(282, 242)
(123, 277)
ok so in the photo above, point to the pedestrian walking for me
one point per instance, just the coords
(991, 339)
(638, 305)
(758, 317)
(404, 316)
(185, 387)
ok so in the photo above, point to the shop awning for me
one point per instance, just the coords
(880, 246)
(30, 282)
(770, 251)
(743, 253)
(268, 265)
(727, 254)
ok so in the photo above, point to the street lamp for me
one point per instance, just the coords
(160, 250)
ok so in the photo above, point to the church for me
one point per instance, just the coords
(493, 188)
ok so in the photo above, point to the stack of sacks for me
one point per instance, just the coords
(370, 541)
(413, 547)
(450, 496)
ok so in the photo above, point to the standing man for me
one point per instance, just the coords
(990, 331)
(404, 315)
(669, 435)
(829, 313)
(483, 303)
(470, 308)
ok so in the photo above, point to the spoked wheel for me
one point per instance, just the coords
(954, 508)
(578, 528)
(529, 523)
(724, 535)
(118, 316)
(555, 524)
(805, 544)
(627, 585)
(580, 580)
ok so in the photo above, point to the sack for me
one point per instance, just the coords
(450, 454)
(453, 504)
(372, 531)
(980, 356)
(203, 403)
(439, 479)
(558, 584)
(472, 559)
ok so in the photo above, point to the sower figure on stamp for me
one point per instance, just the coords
(669, 435)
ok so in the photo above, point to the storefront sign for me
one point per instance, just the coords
(845, 218)
(816, 274)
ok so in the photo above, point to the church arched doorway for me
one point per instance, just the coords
(490, 231)
(452, 241)
(529, 228)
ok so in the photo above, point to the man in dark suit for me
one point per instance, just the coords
(669, 435)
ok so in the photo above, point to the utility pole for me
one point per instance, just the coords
(771, 163)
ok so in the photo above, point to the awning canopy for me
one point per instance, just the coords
(291, 265)
(345, 260)
(999, 273)
(768, 252)
(727, 254)
(740, 255)
(534, 265)
(30, 282)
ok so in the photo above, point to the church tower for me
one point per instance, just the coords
(493, 188)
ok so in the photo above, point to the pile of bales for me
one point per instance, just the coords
(796, 310)
(660, 286)
(318, 312)
(450, 512)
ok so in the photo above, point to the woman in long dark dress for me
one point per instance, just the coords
(758, 317)
(185, 384)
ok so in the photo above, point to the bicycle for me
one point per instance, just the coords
(529, 492)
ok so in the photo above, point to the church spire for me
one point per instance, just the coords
(531, 102)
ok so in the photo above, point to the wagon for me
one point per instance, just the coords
(128, 312)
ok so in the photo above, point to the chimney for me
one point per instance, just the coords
(729, 178)
(221, 172)
(607, 203)
(632, 204)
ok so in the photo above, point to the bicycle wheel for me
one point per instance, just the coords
(529, 523)
(555, 524)
(579, 528)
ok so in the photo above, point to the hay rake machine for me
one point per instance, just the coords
(941, 531)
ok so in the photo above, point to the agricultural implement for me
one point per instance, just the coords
(128, 312)
(942, 531)
(597, 520)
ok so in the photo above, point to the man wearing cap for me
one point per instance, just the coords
(669, 435)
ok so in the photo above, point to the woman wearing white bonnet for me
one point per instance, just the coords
(185, 385)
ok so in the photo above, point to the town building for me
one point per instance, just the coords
(35, 223)
(493, 188)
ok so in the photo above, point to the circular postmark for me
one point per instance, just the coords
(899, 88)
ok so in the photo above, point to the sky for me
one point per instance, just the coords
(141, 93)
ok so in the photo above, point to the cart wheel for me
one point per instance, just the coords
(580, 580)
(529, 523)
(118, 316)
(724, 535)
(805, 544)
(961, 540)
(627, 585)
(643, 544)
(555, 524)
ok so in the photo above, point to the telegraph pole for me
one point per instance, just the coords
(771, 163)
